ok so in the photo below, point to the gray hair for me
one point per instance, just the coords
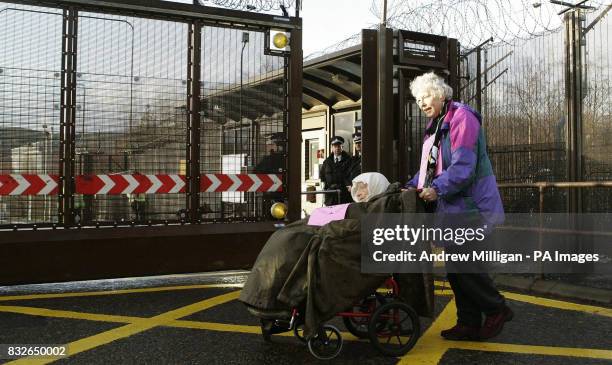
(432, 84)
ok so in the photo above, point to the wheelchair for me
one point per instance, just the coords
(392, 326)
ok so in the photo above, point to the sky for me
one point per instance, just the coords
(327, 22)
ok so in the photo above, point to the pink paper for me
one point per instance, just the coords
(324, 215)
(424, 157)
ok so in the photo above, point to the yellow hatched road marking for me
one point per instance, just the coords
(429, 350)
(226, 327)
(552, 303)
(443, 283)
(213, 326)
(535, 350)
(117, 292)
(69, 314)
(103, 338)
(442, 292)
(222, 327)
(431, 347)
(545, 302)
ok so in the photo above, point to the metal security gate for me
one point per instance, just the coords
(132, 115)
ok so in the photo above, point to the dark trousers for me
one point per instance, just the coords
(475, 295)
(475, 292)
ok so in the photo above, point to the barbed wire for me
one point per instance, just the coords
(474, 21)
(252, 5)
(353, 40)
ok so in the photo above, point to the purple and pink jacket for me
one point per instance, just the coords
(467, 183)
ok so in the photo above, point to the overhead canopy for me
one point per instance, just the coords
(332, 78)
(327, 80)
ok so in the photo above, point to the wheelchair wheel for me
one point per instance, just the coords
(298, 332)
(394, 329)
(326, 344)
(358, 326)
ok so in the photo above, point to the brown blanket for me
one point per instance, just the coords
(320, 267)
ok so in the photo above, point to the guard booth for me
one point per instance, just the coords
(365, 88)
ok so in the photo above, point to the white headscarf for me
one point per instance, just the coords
(377, 184)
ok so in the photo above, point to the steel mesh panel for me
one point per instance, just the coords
(242, 125)
(131, 116)
(29, 106)
(597, 114)
(524, 116)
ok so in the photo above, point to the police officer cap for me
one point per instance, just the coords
(357, 137)
(278, 137)
(337, 140)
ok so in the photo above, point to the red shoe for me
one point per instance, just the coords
(462, 332)
(495, 323)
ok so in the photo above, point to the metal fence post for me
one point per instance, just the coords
(384, 86)
(479, 80)
(294, 125)
(541, 224)
(67, 117)
(485, 100)
(193, 121)
(369, 95)
(574, 99)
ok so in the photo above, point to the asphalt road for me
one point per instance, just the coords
(200, 322)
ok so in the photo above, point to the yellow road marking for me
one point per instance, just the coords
(117, 292)
(443, 283)
(534, 350)
(545, 302)
(431, 347)
(429, 350)
(69, 314)
(426, 353)
(227, 327)
(222, 327)
(552, 303)
(442, 292)
(213, 326)
(134, 328)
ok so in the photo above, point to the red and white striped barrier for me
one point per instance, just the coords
(129, 184)
(241, 182)
(22, 184)
(27, 184)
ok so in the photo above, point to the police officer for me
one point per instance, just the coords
(272, 163)
(336, 173)
(356, 165)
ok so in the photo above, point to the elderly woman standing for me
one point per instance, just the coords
(456, 177)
